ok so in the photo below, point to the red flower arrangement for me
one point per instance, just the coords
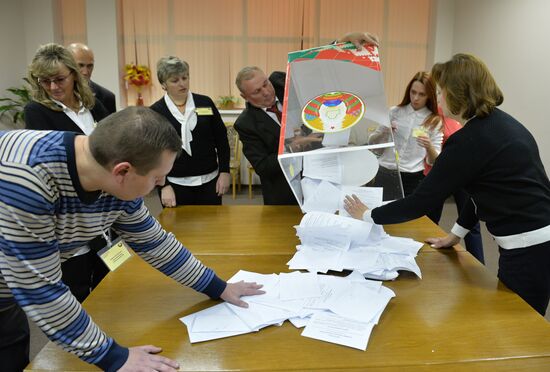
(138, 76)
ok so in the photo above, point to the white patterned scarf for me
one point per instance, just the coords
(187, 119)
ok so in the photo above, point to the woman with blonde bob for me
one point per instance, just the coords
(61, 97)
(496, 160)
(62, 100)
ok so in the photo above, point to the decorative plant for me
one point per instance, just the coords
(227, 101)
(137, 75)
(17, 104)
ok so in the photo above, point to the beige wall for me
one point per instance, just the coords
(511, 36)
(13, 54)
(102, 38)
(442, 27)
(24, 25)
(38, 23)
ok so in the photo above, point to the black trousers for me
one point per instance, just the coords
(526, 271)
(14, 339)
(83, 273)
(389, 180)
(204, 194)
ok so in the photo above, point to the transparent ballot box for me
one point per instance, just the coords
(334, 103)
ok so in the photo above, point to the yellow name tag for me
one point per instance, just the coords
(115, 255)
(203, 111)
(417, 132)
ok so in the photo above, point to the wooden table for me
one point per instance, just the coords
(255, 229)
(234, 229)
(456, 318)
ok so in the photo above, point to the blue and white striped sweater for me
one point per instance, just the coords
(45, 215)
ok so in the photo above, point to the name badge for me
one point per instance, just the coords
(115, 255)
(204, 111)
(417, 132)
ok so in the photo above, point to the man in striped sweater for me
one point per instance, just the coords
(58, 191)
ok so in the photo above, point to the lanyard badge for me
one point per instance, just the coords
(115, 253)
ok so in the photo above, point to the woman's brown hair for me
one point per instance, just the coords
(470, 88)
(424, 78)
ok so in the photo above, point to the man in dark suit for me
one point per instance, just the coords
(84, 57)
(259, 129)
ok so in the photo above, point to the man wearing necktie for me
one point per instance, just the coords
(259, 128)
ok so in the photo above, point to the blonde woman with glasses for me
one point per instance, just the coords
(62, 100)
(61, 97)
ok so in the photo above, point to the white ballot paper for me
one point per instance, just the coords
(316, 259)
(361, 303)
(325, 197)
(357, 231)
(309, 185)
(270, 283)
(323, 166)
(400, 262)
(331, 287)
(336, 139)
(321, 237)
(303, 298)
(297, 285)
(329, 327)
(370, 196)
(333, 242)
(258, 316)
(204, 332)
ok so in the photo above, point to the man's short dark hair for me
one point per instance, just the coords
(137, 135)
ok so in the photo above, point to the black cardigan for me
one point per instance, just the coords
(210, 147)
(40, 117)
(496, 160)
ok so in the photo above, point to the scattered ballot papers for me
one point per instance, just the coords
(333, 242)
(340, 310)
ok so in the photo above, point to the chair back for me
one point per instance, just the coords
(235, 146)
(234, 143)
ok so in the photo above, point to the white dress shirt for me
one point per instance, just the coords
(83, 118)
(411, 154)
(188, 121)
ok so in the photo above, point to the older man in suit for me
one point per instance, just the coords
(84, 57)
(259, 126)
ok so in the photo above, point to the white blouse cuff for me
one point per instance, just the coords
(367, 216)
(459, 231)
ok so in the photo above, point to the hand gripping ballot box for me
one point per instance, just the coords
(334, 102)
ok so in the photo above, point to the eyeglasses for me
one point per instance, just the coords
(46, 83)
